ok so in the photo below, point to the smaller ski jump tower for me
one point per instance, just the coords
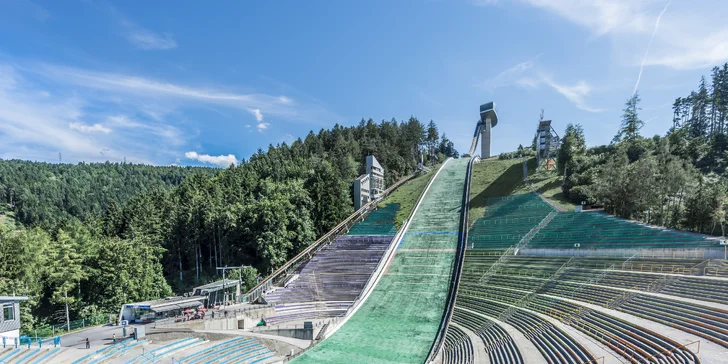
(483, 130)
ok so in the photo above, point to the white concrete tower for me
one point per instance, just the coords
(485, 139)
(488, 120)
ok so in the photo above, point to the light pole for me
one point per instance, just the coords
(725, 248)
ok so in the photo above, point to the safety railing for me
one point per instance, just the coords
(266, 284)
(457, 269)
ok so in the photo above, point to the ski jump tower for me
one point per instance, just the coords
(483, 129)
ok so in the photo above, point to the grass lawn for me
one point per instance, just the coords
(407, 194)
(493, 177)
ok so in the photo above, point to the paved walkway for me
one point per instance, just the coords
(303, 344)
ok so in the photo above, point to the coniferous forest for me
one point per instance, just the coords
(678, 180)
(93, 236)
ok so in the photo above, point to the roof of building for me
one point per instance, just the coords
(374, 161)
(178, 300)
(13, 298)
(218, 285)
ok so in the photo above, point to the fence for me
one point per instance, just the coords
(59, 329)
(27, 341)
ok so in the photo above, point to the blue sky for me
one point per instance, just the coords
(189, 83)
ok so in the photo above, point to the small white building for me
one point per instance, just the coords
(10, 316)
(376, 177)
(361, 191)
(370, 186)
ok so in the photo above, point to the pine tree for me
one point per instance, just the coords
(66, 272)
(631, 123)
(572, 145)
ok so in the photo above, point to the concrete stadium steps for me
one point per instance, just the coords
(506, 221)
(685, 266)
(595, 230)
(706, 289)
(307, 310)
(635, 343)
(238, 350)
(378, 222)
(704, 321)
(25, 355)
(110, 352)
(338, 272)
(707, 322)
(400, 319)
(555, 346)
(458, 348)
(717, 268)
(155, 355)
(496, 341)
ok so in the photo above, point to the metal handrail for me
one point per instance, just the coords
(457, 269)
(255, 292)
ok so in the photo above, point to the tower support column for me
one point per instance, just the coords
(485, 139)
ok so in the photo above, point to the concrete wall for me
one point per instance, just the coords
(302, 334)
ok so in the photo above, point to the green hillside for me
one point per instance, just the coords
(494, 177)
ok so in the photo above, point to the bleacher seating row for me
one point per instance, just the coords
(506, 221)
(23, 355)
(458, 347)
(554, 345)
(715, 290)
(594, 230)
(708, 322)
(307, 311)
(238, 350)
(497, 342)
(153, 356)
(337, 272)
(379, 222)
(509, 287)
(110, 352)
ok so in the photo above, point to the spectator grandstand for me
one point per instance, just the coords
(327, 285)
(499, 286)
(399, 320)
(596, 230)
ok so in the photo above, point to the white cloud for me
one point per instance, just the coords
(575, 93)
(692, 34)
(257, 114)
(140, 86)
(36, 125)
(220, 160)
(506, 77)
(168, 133)
(262, 126)
(527, 74)
(146, 39)
(84, 128)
